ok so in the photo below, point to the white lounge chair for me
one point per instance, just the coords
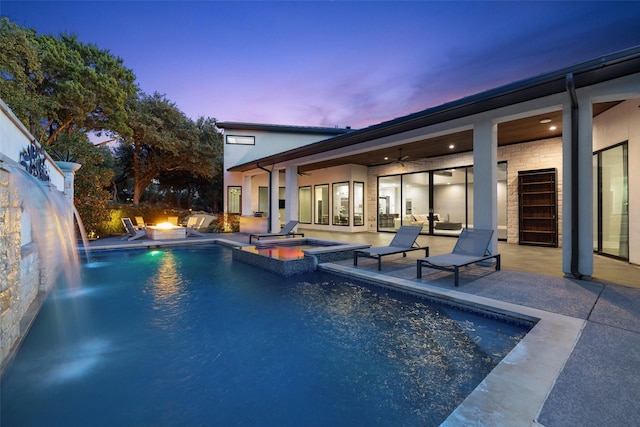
(472, 247)
(287, 231)
(194, 224)
(132, 232)
(404, 241)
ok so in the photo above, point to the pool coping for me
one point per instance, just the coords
(514, 392)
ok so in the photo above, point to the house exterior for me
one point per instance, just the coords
(262, 192)
(552, 160)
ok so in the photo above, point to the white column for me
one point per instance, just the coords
(291, 190)
(274, 190)
(246, 196)
(485, 179)
(69, 169)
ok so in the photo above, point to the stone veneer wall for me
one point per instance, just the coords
(541, 154)
(19, 267)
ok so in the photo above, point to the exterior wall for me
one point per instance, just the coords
(346, 173)
(22, 278)
(530, 156)
(266, 143)
(618, 124)
(527, 156)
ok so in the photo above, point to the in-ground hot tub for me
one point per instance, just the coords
(294, 255)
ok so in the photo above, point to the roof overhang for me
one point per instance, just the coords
(599, 70)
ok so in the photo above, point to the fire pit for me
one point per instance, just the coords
(166, 231)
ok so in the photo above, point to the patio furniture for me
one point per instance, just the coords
(193, 226)
(472, 247)
(287, 231)
(132, 232)
(404, 241)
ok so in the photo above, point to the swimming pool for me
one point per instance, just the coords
(188, 337)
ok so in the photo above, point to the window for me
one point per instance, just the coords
(358, 203)
(241, 140)
(234, 200)
(263, 199)
(341, 203)
(304, 205)
(322, 204)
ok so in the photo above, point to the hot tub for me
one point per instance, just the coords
(295, 255)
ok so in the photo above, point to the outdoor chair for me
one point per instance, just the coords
(287, 231)
(140, 223)
(472, 247)
(132, 232)
(194, 224)
(173, 220)
(404, 241)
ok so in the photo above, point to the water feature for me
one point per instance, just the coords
(46, 222)
(188, 337)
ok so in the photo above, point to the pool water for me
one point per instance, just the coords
(187, 337)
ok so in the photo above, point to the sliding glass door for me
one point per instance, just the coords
(611, 201)
(439, 200)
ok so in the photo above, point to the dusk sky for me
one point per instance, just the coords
(338, 63)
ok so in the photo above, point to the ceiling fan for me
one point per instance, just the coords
(400, 159)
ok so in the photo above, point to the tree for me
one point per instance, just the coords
(21, 72)
(57, 85)
(165, 140)
(89, 88)
(92, 180)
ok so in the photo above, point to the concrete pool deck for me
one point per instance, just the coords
(586, 372)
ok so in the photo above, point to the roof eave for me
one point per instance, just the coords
(609, 67)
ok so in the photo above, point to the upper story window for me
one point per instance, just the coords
(241, 140)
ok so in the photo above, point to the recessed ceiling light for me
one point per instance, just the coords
(386, 158)
(451, 146)
(545, 121)
(553, 128)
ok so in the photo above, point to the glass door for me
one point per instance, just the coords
(611, 188)
(389, 199)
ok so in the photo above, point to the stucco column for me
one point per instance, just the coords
(274, 189)
(291, 191)
(584, 188)
(69, 169)
(246, 196)
(485, 179)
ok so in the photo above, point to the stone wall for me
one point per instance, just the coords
(19, 269)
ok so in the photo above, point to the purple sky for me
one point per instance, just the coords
(339, 63)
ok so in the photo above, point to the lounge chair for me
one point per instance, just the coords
(404, 241)
(472, 247)
(132, 232)
(140, 223)
(287, 231)
(173, 220)
(194, 224)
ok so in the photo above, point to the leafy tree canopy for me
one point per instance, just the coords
(58, 84)
(165, 140)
